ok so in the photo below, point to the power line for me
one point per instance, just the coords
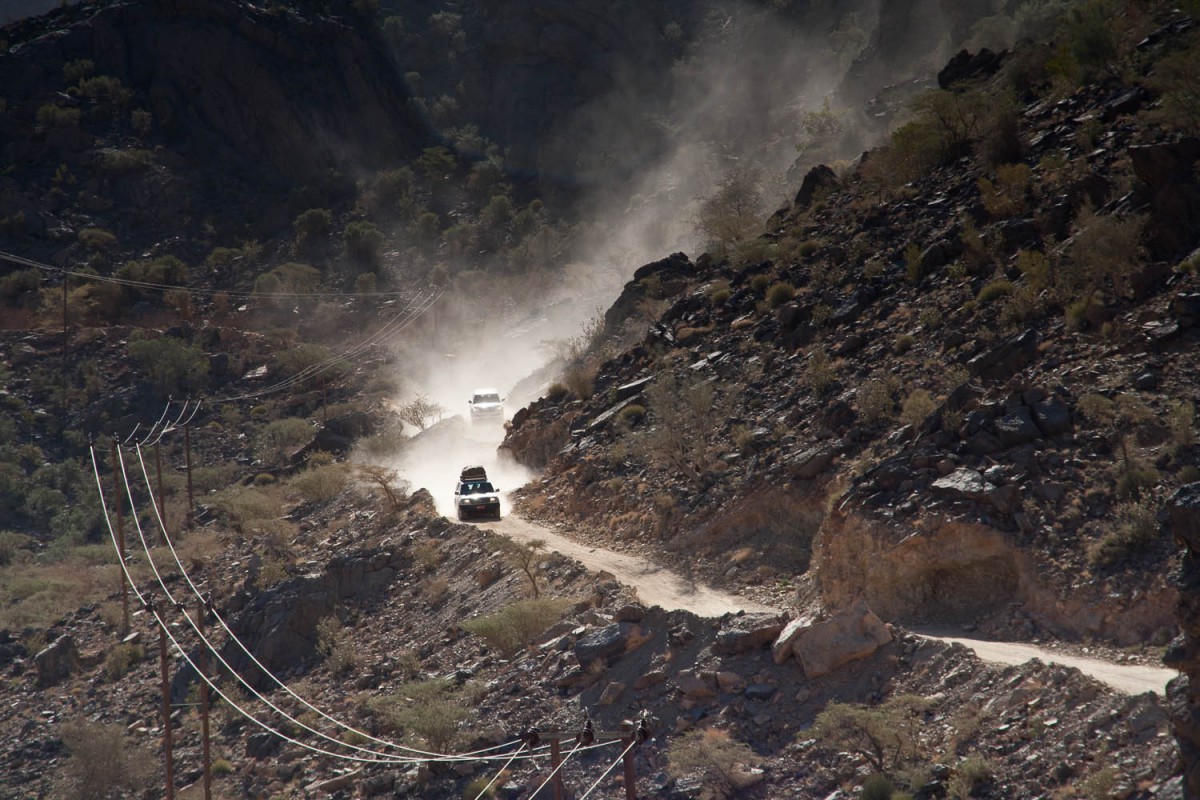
(425, 756)
(389, 329)
(136, 284)
(604, 774)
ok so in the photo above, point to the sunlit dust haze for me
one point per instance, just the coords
(746, 79)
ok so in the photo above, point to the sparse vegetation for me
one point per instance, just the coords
(103, 761)
(336, 645)
(722, 761)
(519, 624)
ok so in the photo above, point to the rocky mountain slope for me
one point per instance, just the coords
(950, 383)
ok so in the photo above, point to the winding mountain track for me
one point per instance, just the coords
(655, 586)
(661, 587)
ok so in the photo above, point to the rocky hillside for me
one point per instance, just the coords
(961, 394)
(950, 383)
(149, 120)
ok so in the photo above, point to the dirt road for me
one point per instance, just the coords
(657, 586)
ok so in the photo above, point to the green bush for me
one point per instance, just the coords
(308, 359)
(311, 225)
(125, 161)
(97, 239)
(364, 242)
(877, 787)
(519, 624)
(886, 736)
(427, 711)
(56, 116)
(1134, 529)
(75, 71)
(994, 291)
(121, 659)
(173, 368)
(632, 414)
(780, 293)
(904, 342)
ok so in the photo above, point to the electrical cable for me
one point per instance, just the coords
(354, 350)
(426, 755)
(557, 768)
(604, 774)
(496, 777)
(171, 426)
(136, 284)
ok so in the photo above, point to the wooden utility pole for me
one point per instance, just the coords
(162, 515)
(555, 759)
(206, 752)
(65, 350)
(187, 457)
(120, 541)
(630, 777)
(168, 755)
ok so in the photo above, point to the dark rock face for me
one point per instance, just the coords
(669, 273)
(819, 178)
(1169, 174)
(232, 84)
(1183, 521)
(965, 66)
(280, 626)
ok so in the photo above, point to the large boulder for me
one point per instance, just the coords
(851, 634)
(57, 661)
(748, 632)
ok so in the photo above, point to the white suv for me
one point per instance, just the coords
(487, 406)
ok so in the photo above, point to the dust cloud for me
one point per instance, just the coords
(651, 150)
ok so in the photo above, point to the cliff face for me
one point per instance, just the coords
(228, 83)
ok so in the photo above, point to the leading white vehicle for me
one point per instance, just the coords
(487, 406)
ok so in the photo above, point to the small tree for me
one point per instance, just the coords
(733, 212)
(683, 416)
(364, 242)
(386, 480)
(171, 366)
(885, 736)
(527, 557)
(421, 412)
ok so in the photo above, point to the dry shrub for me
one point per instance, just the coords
(1096, 408)
(103, 762)
(1181, 420)
(1105, 253)
(519, 624)
(426, 712)
(917, 408)
(1134, 529)
(717, 757)
(341, 655)
(820, 373)
(1008, 196)
(321, 484)
(121, 659)
(244, 506)
(428, 555)
(877, 399)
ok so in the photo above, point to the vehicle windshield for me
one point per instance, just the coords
(487, 398)
(477, 487)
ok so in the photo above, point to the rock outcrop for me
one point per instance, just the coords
(1183, 522)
